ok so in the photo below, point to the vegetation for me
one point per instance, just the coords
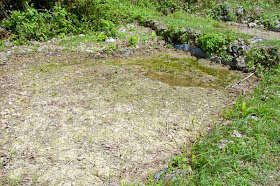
(242, 152)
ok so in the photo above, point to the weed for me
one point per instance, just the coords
(243, 159)
(133, 41)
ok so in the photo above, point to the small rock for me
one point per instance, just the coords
(240, 10)
(216, 59)
(254, 117)
(222, 146)
(8, 44)
(158, 175)
(110, 40)
(256, 40)
(197, 52)
(89, 51)
(236, 134)
(29, 50)
(130, 26)
(122, 30)
(127, 51)
(41, 49)
(161, 28)
(252, 25)
(240, 63)
(184, 47)
(2, 29)
(82, 35)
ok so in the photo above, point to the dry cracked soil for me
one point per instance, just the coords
(73, 120)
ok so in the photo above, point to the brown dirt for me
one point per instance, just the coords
(68, 118)
(259, 32)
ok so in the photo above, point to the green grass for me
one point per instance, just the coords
(205, 24)
(275, 43)
(252, 159)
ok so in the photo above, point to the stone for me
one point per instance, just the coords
(110, 40)
(275, 28)
(82, 35)
(197, 52)
(161, 28)
(240, 63)
(89, 51)
(2, 29)
(240, 10)
(162, 172)
(216, 59)
(127, 51)
(130, 26)
(252, 25)
(236, 134)
(41, 49)
(256, 40)
(8, 44)
(185, 47)
(122, 30)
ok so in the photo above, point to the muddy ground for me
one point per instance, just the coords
(83, 119)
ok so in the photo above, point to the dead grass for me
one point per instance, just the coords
(93, 122)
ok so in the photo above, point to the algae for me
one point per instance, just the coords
(186, 72)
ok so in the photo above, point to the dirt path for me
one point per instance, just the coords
(257, 32)
(68, 120)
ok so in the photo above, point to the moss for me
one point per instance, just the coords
(187, 72)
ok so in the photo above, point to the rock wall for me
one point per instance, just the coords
(239, 52)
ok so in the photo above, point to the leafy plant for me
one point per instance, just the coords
(101, 37)
(133, 41)
(215, 43)
(261, 59)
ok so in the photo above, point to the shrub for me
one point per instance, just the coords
(261, 59)
(31, 24)
(215, 43)
(133, 41)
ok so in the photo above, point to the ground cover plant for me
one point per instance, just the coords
(243, 151)
(73, 62)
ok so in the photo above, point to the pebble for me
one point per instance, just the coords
(252, 25)
(82, 35)
(236, 134)
(8, 44)
(110, 40)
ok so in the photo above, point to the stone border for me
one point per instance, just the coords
(239, 50)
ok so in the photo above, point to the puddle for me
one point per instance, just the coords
(186, 72)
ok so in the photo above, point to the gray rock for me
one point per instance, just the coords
(110, 40)
(127, 51)
(240, 10)
(240, 63)
(256, 40)
(89, 51)
(82, 35)
(162, 172)
(8, 44)
(122, 30)
(130, 26)
(4, 57)
(161, 28)
(236, 134)
(197, 52)
(41, 49)
(252, 25)
(2, 29)
(216, 59)
(185, 47)
(275, 28)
